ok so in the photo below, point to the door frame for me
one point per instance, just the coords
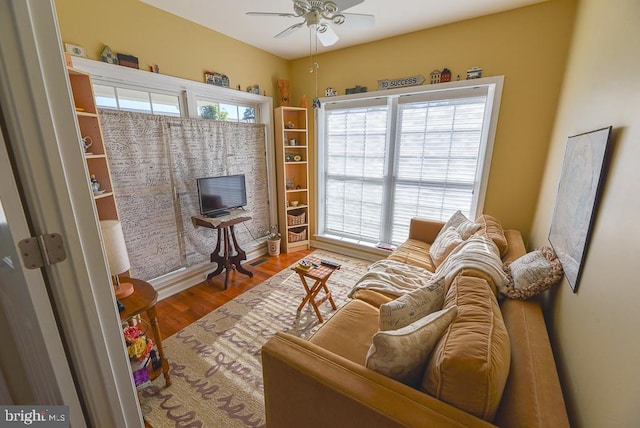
(44, 145)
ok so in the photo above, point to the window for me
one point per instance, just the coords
(226, 112)
(387, 158)
(137, 100)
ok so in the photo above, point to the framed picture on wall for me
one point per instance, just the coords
(581, 180)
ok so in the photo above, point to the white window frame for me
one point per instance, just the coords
(493, 86)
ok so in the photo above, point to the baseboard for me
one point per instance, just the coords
(180, 280)
(372, 254)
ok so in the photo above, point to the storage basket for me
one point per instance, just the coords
(296, 218)
(297, 236)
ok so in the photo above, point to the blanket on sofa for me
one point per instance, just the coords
(393, 277)
(399, 278)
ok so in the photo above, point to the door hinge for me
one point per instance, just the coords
(42, 250)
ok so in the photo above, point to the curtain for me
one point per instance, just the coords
(155, 161)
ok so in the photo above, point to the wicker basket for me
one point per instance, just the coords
(296, 218)
(297, 236)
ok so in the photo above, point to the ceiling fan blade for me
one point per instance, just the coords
(289, 30)
(284, 15)
(346, 4)
(358, 20)
(326, 35)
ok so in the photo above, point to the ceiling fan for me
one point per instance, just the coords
(318, 15)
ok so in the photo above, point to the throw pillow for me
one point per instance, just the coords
(462, 224)
(532, 274)
(402, 354)
(443, 245)
(412, 306)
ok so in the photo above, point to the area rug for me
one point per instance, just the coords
(215, 363)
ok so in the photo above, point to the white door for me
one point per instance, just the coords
(40, 372)
(47, 163)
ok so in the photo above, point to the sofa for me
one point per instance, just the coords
(324, 381)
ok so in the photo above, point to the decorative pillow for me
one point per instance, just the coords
(532, 274)
(462, 224)
(402, 354)
(468, 228)
(469, 366)
(443, 245)
(412, 306)
(491, 228)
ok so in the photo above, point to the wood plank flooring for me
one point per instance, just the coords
(181, 309)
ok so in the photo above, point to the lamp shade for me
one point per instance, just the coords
(115, 246)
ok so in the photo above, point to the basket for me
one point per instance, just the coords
(297, 236)
(296, 218)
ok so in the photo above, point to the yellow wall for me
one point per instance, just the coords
(528, 46)
(180, 47)
(595, 330)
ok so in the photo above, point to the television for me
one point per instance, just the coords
(219, 194)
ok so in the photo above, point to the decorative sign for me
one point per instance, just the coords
(400, 83)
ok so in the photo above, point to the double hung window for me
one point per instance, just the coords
(396, 155)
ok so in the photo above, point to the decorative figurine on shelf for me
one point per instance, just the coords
(445, 76)
(303, 101)
(474, 73)
(283, 92)
(436, 75)
(95, 185)
(291, 125)
(289, 183)
(86, 143)
(108, 56)
(330, 92)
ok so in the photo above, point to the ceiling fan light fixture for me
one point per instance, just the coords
(338, 19)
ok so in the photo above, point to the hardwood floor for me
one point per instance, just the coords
(180, 310)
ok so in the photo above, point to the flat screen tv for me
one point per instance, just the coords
(219, 194)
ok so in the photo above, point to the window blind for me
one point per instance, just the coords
(437, 160)
(356, 146)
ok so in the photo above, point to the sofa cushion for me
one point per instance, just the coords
(412, 306)
(491, 228)
(444, 245)
(402, 354)
(373, 297)
(469, 366)
(349, 331)
(414, 252)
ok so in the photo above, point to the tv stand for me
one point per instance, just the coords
(232, 255)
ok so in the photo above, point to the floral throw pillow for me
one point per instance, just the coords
(532, 274)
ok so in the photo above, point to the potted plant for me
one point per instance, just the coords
(273, 241)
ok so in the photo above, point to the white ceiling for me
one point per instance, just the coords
(392, 18)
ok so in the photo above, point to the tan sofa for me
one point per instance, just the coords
(323, 382)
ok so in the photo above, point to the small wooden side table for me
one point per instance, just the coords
(232, 254)
(144, 299)
(320, 274)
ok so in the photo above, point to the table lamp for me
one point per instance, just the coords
(117, 255)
